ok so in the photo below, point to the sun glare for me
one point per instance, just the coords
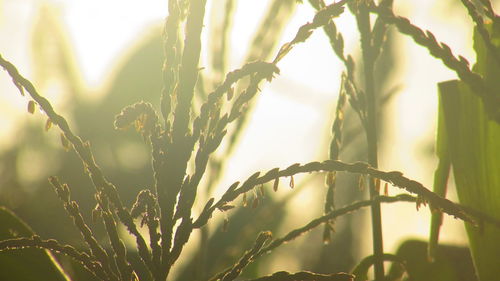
(288, 122)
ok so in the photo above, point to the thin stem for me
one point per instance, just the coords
(331, 215)
(363, 19)
(248, 257)
(73, 211)
(394, 177)
(318, 221)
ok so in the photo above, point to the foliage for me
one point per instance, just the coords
(472, 142)
(188, 127)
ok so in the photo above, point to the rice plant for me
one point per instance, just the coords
(195, 120)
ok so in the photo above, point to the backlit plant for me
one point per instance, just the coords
(184, 135)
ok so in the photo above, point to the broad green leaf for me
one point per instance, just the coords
(473, 143)
(25, 264)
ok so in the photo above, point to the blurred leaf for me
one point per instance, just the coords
(452, 263)
(474, 146)
(53, 55)
(25, 264)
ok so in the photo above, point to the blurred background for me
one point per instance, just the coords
(92, 58)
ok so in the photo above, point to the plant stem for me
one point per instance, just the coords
(363, 19)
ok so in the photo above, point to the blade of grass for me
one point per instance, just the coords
(440, 184)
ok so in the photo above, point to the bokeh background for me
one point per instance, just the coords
(92, 58)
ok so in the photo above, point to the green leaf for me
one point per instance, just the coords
(488, 66)
(473, 143)
(440, 184)
(28, 264)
